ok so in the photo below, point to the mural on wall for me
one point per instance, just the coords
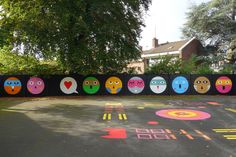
(68, 85)
(158, 85)
(136, 85)
(113, 85)
(91, 85)
(202, 85)
(183, 114)
(12, 85)
(180, 85)
(35, 85)
(223, 84)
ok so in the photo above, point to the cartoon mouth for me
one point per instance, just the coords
(113, 87)
(201, 88)
(157, 87)
(180, 85)
(223, 87)
(35, 87)
(90, 86)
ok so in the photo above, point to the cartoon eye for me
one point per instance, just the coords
(86, 82)
(227, 82)
(183, 82)
(176, 82)
(162, 82)
(140, 83)
(111, 82)
(116, 82)
(131, 82)
(9, 83)
(31, 83)
(154, 82)
(219, 82)
(205, 81)
(95, 82)
(198, 82)
(39, 83)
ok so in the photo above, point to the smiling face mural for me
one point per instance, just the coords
(12, 85)
(202, 85)
(158, 85)
(136, 85)
(223, 84)
(113, 85)
(35, 85)
(180, 84)
(91, 85)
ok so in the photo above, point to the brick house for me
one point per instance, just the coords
(183, 49)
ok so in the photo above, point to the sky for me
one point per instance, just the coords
(167, 18)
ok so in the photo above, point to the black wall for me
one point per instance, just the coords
(12, 88)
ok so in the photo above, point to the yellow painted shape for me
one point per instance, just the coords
(104, 116)
(120, 116)
(155, 104)
(125, 117)
(224, 130)
(140, 107)
(109, 116)
(230, 109)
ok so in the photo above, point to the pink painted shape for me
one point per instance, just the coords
(152, 123)
(115, 133)
(157, 131)
(144, 136)
(161, 136)
(142, 131)
(200, 114)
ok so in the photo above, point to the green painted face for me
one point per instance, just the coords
(91, 85)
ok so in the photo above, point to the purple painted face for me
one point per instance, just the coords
(35, 85)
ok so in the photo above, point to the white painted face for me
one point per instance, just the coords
(158, 85)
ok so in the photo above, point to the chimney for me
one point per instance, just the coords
(154, 43)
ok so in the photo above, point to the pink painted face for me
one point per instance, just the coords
(136, 85)
(35, 85)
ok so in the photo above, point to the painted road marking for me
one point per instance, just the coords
(125, 117)
(224, 130)
(104, 116)
(203, 135)
(109, 116)
(230, 109)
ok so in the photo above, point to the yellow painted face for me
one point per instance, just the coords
(113, 85)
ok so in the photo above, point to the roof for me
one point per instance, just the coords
(168, 47)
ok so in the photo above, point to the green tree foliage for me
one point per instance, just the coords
(212, 22)
(84, 36)
(173, 65)
(14, 63)
(165, 65)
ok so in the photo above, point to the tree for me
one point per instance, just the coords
(212, 22)
(84, 36)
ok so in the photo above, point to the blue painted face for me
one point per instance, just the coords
(180, 84)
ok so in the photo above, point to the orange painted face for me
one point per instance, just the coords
(12, 85)
(113, 85)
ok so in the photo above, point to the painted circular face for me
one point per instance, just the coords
(183, 114)
(91, 85)
(35, 85)
(223, 84)
(12, 85)
(113, 85)
(158, 85)
(180, 84)
(202, 85)
(136, 85)
(68, 85)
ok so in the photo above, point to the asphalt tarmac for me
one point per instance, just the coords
(183, 126)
